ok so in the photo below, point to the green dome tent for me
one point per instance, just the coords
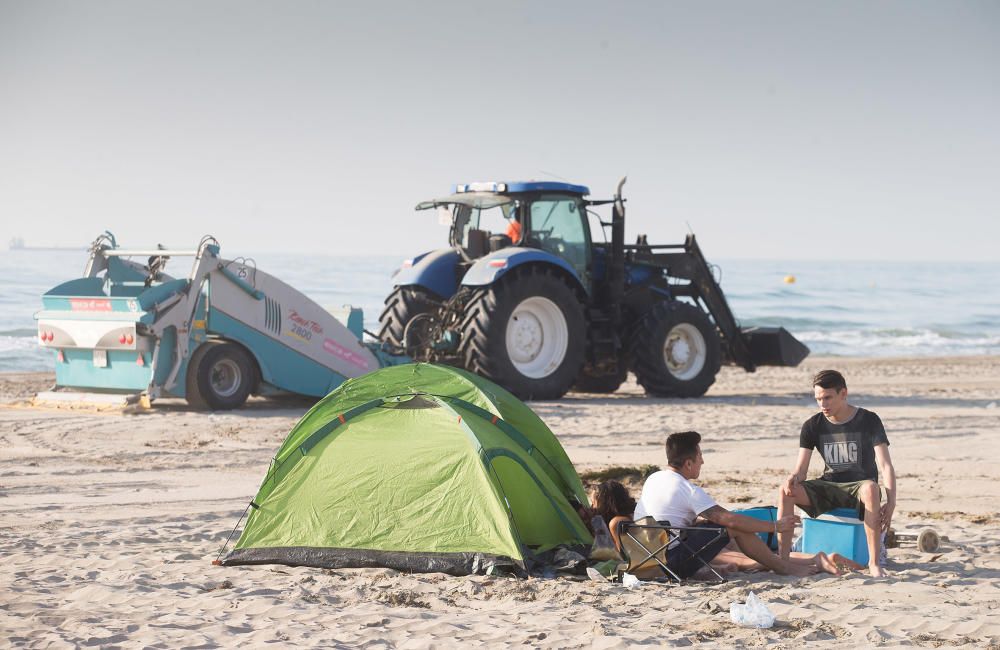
(415, 467)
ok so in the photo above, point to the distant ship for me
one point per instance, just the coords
(17, 244)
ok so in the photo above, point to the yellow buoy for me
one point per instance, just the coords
(789, 279)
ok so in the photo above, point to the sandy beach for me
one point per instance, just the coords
(109, 523)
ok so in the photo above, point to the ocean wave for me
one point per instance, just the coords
(23, 354)
(10, 343)
(897, 341)
(19, 332)
(793, 323)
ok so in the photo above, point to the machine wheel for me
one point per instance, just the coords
(526, 332)
(675, 351)
(221, 376)
(402, 306)
(604, 384)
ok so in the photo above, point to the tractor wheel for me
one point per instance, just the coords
(604, 384)
(221, 376)
(675, 351)
(526, 332)
(402, 306)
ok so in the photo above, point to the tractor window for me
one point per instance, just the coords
(491, 221)
(558, 226)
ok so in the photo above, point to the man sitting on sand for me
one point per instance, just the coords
(669, 495)
(851, 440)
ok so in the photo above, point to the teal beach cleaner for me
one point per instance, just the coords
(225, 331)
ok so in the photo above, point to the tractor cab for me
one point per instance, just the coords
(548, 216)
(481, 222)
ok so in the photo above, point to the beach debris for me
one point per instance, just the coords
(753, 613)
(928, 540)
(596, 575)
(401, 598)
(629, 581)
(877, 637)
(711, 606)
(607, 568)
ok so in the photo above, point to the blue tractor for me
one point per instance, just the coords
(525, 297)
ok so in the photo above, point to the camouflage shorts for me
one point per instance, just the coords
(825, 496)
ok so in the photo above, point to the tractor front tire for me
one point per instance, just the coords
(402, 306)
(525, 332)
(221, 376)
(675, 351)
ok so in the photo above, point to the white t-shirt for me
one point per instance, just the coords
(668, 496)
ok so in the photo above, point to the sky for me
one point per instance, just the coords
(773, 130)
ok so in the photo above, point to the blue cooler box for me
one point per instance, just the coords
(838, 531)
(766, 513)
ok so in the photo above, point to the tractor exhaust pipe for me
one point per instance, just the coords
(616, 270)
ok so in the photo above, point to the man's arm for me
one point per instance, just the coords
(799, 474)
(889, 476)
(722, 517)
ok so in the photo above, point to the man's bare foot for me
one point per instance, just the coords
(802, 570)
(877, 572)
(724, 567)
(846, 563)
(828, 564)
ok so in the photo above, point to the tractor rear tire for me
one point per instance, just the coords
(675, 351)
(221, 376)
(525, 332)
(402, 306)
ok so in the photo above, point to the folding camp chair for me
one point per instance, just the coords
(647, 543)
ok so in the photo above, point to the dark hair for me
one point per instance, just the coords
(681, 447)
(830, 379)
(612, 499)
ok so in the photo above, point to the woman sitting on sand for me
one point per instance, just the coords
(613, 502)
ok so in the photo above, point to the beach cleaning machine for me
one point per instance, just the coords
(225, 331)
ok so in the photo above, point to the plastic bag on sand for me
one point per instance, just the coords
(753, 614)
(629, 581)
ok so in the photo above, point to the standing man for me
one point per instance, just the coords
(851, 441)
(669, 495)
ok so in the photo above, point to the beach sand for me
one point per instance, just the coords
(109, 523)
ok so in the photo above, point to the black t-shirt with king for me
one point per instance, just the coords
(848, 449)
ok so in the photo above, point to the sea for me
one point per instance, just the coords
(850, 309)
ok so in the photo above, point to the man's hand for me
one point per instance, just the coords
(786, 524)
(887, 509)
(789, 485)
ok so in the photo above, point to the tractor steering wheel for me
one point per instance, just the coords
(542, 233)
(461, 253)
